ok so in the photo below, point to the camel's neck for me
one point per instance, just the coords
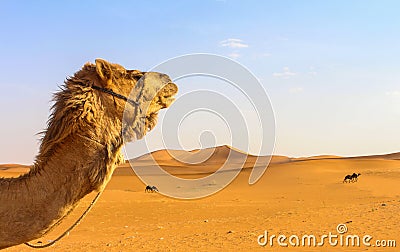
(79, 151)
(29, 205)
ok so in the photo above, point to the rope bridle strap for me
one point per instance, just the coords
(66, 232)
(76, 223)
(110, 92)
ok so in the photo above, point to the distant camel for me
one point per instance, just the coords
(151, 189)
(354, 177)
(348, 178)
(351, 178)
(148, 189)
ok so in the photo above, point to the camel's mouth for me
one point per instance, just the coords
(163, 99)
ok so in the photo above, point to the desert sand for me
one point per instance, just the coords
(295, 196)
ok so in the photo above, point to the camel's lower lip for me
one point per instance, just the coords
(169, 89)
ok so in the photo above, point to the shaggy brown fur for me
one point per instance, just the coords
(81, 146)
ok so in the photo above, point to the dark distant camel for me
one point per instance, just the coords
(354, 177)
(151, 189)
(348, 178)
(148, 189)
(351, 178)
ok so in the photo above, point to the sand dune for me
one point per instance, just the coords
(203, 157)
(13, 167)
(204, 161)
(292, 198)
(392, 156)
(13, 170)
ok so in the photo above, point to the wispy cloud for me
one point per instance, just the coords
(286, 73)
(295, 90)
(393, 93)
(233, 43)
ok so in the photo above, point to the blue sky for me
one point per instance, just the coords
(331, 68)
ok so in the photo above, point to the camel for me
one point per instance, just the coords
(148, 189)
(351, 178)
(347, 178)
(151, 189)
(354, 177)
(154, 188)
(92, 117)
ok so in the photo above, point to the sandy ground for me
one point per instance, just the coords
(296, 197)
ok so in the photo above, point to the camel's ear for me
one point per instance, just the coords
(104, 70)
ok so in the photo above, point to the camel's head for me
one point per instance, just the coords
(147, 93)
(105, 99)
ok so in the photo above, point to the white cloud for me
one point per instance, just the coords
(285, 74)
(233, 43)
(295, 90)
(393, 93)
(234, 55)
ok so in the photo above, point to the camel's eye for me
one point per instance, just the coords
(134, 74)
